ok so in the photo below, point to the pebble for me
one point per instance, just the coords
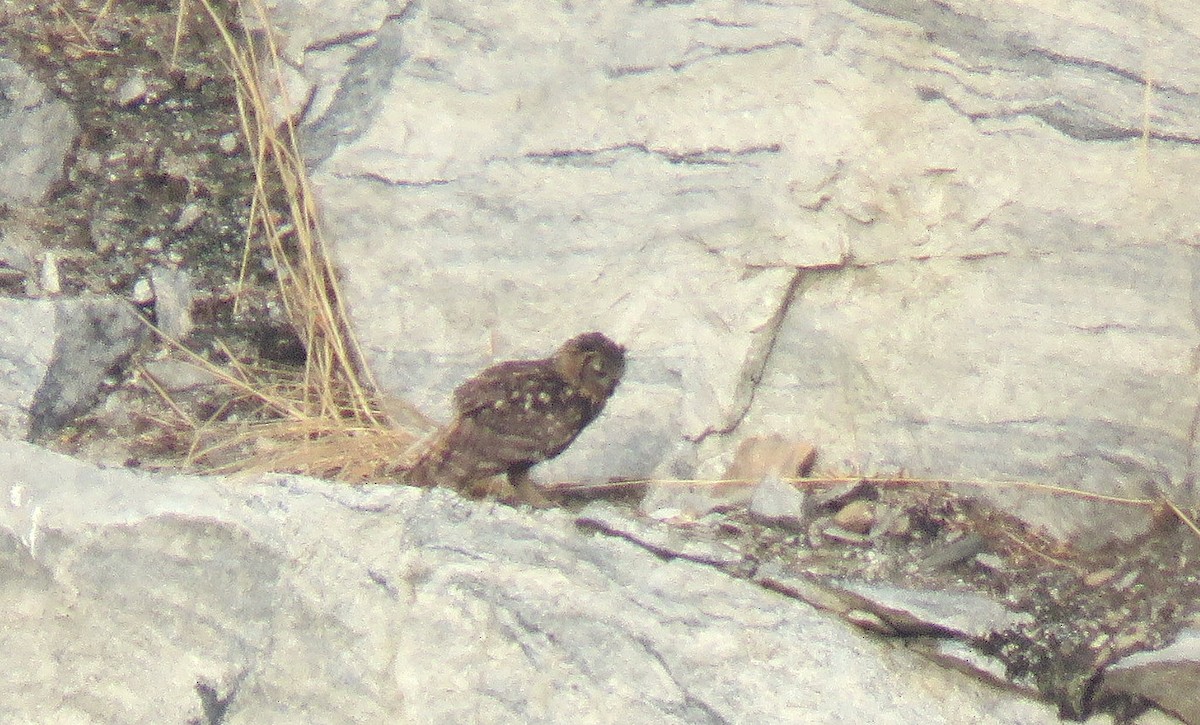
(1096, 578)
(229, 143)
(857, 516)
(143, 292)
(132, 91)
(188, 217)
(837, 533)
(954, 552)
(49, 280)
(778, 503)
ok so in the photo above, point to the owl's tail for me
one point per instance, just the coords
(453, 459)
(433, 463)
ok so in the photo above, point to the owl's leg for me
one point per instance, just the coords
(491, 487)
(527, 491)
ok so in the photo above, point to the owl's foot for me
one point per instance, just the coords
(485, 488)
(527, 492)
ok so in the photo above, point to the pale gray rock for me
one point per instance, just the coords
(963, 657)
(174, 292)
(147, 599)
(1161, 676)
(26, 349)
(922, 612)
(49, 279)
(664, 540)
(36, 130)
(677, 501)
(948, 554)
(54, 356)
(20, 253)
(778, 503)
(755, 459)
(132, 91)
(948, 239)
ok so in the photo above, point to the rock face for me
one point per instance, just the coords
(36, 130)
(150, 599)
(952, 239)
(55, 355)
(1160, 676)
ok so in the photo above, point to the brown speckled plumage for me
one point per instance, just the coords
(516, 414)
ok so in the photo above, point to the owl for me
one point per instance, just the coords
(516, 414)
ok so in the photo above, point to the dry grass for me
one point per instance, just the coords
(86, 44)
(327, 419)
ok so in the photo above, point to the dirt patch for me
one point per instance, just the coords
(159, 178)
(157, 175)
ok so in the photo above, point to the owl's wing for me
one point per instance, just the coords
(497, 383)
(520, 412)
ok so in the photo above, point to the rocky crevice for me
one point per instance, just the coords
(758, 356)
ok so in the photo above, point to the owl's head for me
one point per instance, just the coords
(592, 363)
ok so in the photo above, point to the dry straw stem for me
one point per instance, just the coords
(86, 34)
(1148, 503)
(1028, 485)
(274, 433)
(1187, 520)
(350, 454)
(895, 481)
(307, 279)
(328, 420)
